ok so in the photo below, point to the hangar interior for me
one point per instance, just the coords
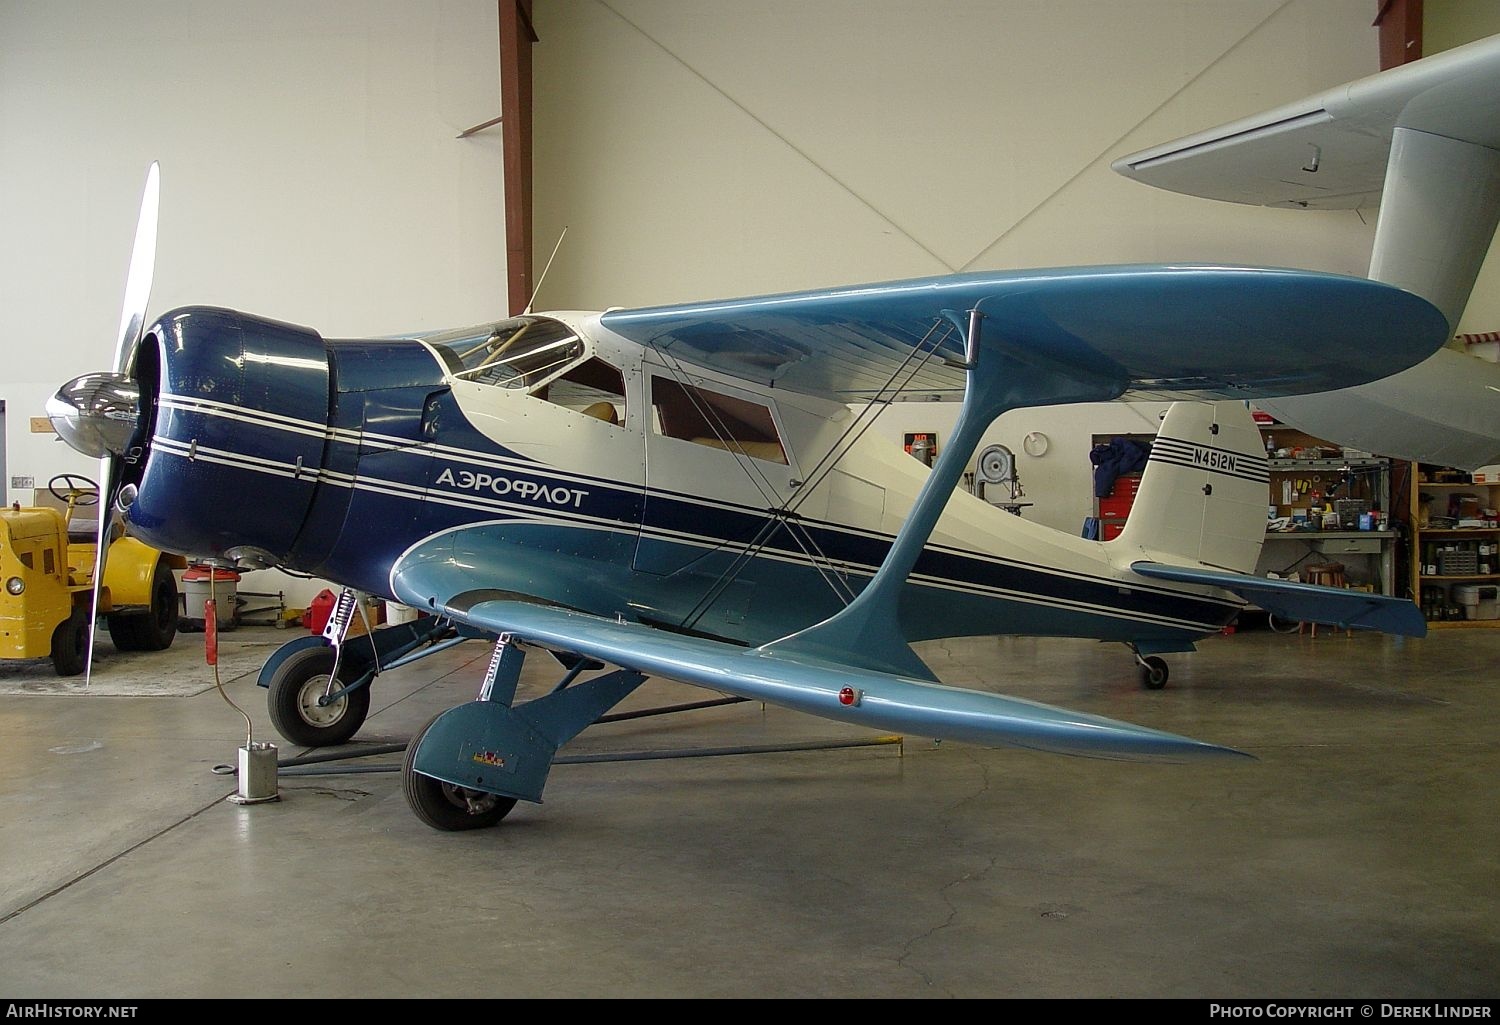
(320, 165)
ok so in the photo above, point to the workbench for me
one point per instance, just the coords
(1372, 548)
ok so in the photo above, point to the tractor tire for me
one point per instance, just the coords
(70, 643)
(155, 628)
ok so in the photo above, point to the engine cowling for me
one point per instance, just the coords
(229, 447)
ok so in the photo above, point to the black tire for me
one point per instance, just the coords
(445, 806)
(294, 689)
(154, 629)
(157, 627)
(1154, 672)
(122, 631)
(70, 644)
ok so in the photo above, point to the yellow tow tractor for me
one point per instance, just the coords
(47, 559)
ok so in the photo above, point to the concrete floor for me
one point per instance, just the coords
(1360, 856)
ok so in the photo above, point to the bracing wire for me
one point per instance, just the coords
(766, 489)
(856, 429)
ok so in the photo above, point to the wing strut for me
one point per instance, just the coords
(867, 632)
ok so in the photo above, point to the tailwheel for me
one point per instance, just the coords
(292, 699)
(446, 806)
(1153, 672)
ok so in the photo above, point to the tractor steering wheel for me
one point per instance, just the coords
(75, 495)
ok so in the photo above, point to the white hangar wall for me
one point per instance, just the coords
(698, 149)
(310, 173)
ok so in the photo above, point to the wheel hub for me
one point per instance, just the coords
(314, 713)
(475, 802)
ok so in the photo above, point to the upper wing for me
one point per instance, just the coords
(1161, 332)
(1331, 150)
(876, 700)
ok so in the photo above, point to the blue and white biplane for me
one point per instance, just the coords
(690, 492)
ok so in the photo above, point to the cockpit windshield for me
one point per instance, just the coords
(515, 353)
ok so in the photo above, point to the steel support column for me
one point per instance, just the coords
(1400, 24)
(516, 37)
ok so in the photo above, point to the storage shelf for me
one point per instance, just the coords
(1327, 463)
(1334, 477)
(1422, 538)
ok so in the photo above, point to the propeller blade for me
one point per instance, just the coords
(101, 547)
(142, 270)
(132, 327)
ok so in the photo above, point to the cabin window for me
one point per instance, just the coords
(517, 353)
(716, 420)
(593, 388)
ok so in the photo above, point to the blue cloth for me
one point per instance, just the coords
(1121, 455)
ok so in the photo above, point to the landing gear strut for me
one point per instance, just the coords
(319, 695)
(470, 764)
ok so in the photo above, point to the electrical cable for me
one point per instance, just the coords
(213, 572)
(637, 756)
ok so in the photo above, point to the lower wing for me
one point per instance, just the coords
(879, 701)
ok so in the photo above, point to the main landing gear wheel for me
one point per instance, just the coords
(1153, 672)
(295, 688)
(443, 805)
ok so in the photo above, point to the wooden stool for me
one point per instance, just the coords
(1325, 574)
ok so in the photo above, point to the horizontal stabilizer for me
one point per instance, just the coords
(878, 701)
(1308, 603)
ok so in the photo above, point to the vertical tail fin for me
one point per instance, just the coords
(1202, 497)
